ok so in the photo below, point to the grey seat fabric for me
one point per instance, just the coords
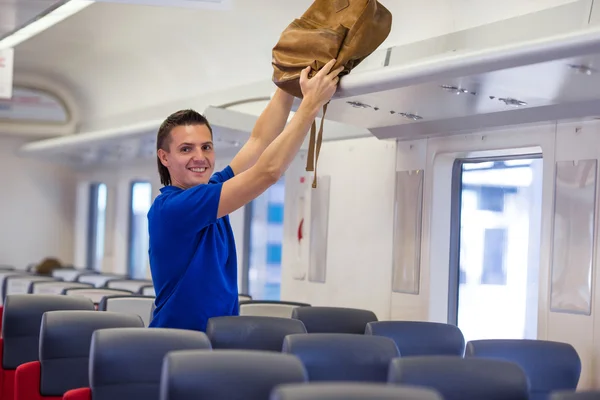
(54, 287)
(227, 374)
(351, 391)
(269, 308)
(342, 356)
(457, 378)
(571, 395)
(416, 338)
(65, 338)
(131, 304)
(251, 333)
(126, 363)
(550, 366)
(334, 319)
(21, 323)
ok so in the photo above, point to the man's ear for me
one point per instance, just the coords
(162, 156)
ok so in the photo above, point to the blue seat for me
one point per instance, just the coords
(550, 366)
(227, 374)
(415, 338)
(126, 363)
(457, 378)
(334, 319)
(351, 391)
(251, 333)
(342, 356)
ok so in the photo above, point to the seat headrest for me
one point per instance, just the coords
(549, 365)
(224, 374)
(126, 363)
(21, 323)
(343, 356)
(65, 338)
(457, 378)
(415, 338)
(334, 319)
(351, 391)
(132, 304)
(251, 333)
(269, 308)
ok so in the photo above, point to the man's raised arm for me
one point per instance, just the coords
(275, 160)
(270, 124)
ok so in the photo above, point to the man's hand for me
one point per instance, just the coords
(319, 89)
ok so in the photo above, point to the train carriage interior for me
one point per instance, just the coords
(445, 248)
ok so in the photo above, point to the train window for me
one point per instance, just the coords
(496, 218)
(141, 199)
(573, 236)
(96, 225)
(264, 243)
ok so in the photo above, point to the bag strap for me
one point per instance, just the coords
(315, 149)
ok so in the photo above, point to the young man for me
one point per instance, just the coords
(192, 248)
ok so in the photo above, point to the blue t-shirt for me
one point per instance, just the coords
(192, 256)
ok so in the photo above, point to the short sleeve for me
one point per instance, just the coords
(222, 176)
(192, 209)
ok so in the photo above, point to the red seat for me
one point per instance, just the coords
(78, 394)
(7, 378)
(64, 348)
(27, 382)
(20, 343)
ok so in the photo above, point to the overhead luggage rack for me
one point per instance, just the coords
(552, 78)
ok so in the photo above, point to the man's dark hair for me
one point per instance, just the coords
(163, 139)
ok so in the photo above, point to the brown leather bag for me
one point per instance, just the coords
(347, 30)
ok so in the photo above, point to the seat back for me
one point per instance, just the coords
(147, 290)
(98, 280)
(21, 323)
(244, 297)
(95, 294)
(334, 319)
(265, 308)
(65, 338)
(126, 363)
(342, 356)
(415, 338)
(227, 374)
(132, 304)
(54, 287)
(68, 274)
(457, 378)
(550, 366)
(4, 275)
(351, 391)
(251, 333)
(20, 284)
(133, 285)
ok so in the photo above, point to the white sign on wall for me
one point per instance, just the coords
(6, 73)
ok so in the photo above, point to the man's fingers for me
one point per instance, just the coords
(337, 71)
(327, 67)
(304, 73)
